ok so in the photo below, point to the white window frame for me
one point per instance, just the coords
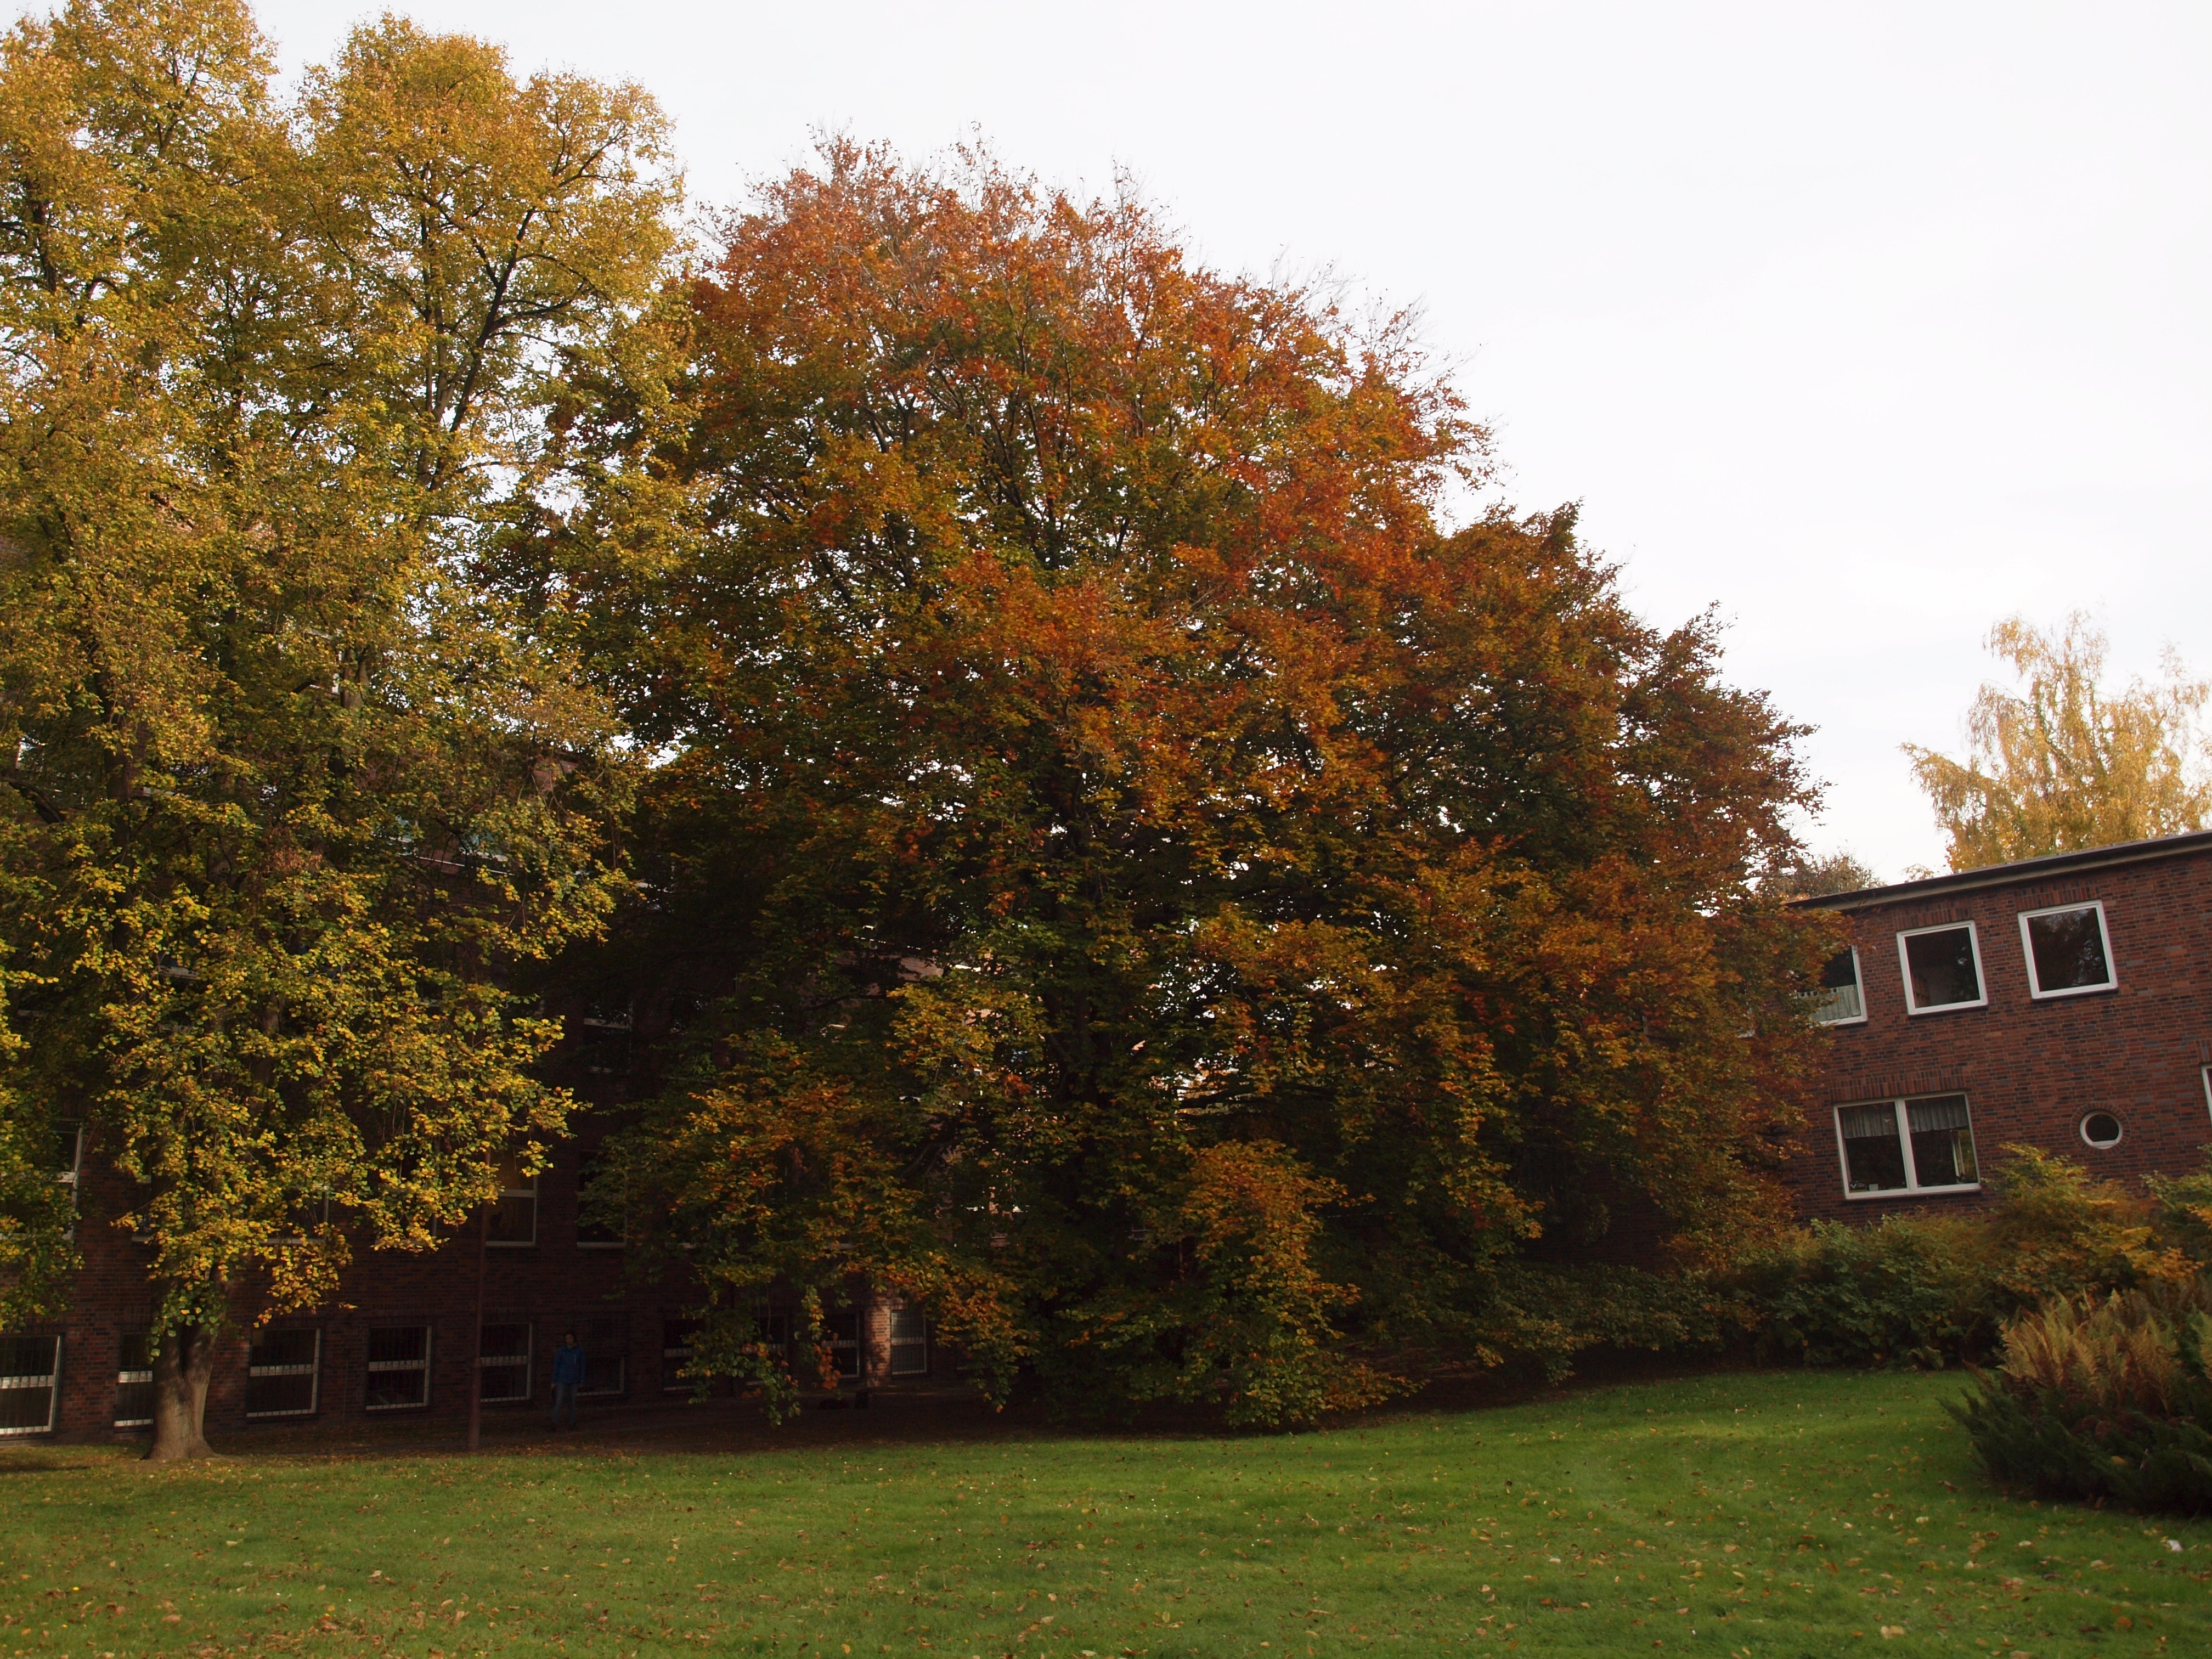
(423, 1366)
(2104, 937)
(2207, 1074)
(503, 1362)
(1912, 1188)
(73, 1177)
(312, 1370)
(2083, 1129)
(127, 1378)
(1904, 967)
(1858, 974)
(51, 1382)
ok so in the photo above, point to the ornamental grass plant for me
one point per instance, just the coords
(2103, 1398)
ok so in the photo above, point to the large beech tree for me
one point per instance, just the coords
(289, 792)
(1201, 928)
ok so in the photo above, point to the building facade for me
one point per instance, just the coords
(399, 1339)
(2063, 1003)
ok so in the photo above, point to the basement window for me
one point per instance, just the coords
(845, 1344)
(909, 1343)
(1943, 969)
(1838, 1001)
(1894, 1147)
(398, 1369)
(2068, 951)
(606, 1355)
(281, 1373)
(134, 1382)
(503, 1364)
(29, 1366)
(678, 1343)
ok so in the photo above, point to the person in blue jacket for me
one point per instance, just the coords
(567, 1373)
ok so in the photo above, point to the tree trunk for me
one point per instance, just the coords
(182, 1371)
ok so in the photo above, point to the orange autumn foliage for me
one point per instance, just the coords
(1240, 921)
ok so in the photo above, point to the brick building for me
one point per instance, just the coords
(399, 1340)
(2060, 1002)
(2065, 1002)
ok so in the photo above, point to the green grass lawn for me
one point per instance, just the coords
(1782, 1513)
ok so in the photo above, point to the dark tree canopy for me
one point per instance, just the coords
(1198, 926)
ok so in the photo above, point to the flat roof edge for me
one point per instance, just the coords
(2005, 875)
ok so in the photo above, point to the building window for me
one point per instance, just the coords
(503, 1364)
(69, 1164)
(772, 1330)
(398, 1369)
(603, 1037)
(597, 1209)
(909, 1343)
(1838, 1002)
(29, 1366)
(2101, 1130)
(678, 1342)
(1943, 969)
(134, 1382)
(281, 1373)
(2068, 950)
(606, 1356)
(845, 1344)
(515, 1217)
(1924, 1145)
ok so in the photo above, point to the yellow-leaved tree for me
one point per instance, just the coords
(288, 787)
(2061, 762)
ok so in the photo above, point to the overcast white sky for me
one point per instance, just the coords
(1868, 323)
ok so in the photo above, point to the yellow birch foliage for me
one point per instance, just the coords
(2062, 763)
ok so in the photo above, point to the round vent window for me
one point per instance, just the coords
(2101, 1129)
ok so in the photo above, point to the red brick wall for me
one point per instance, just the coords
(548, 1285)
(2031, 1070)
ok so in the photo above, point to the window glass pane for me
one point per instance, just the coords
(398, 1368)
(677, 1337)
(503, 1369)
(134, 1382)
(408, 1345)
(1942, 964)
(27, 1367)
(283, 1348)
(514, 1219)
(1942, 1140)
(597, 1210)
(909, 1343)
(280, 1373)
(1874, 1158)
(605, 1341)
(845, 1342)
(2070, 950)
(280, 1396)
(1839, 995)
